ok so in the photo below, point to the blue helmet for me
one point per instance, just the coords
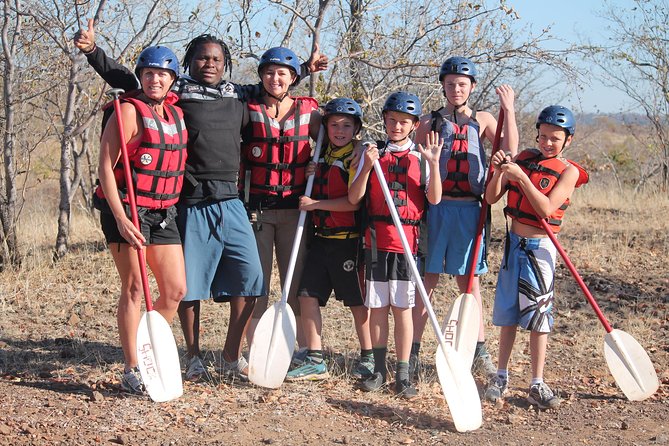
(403, 102)
(343, 106)
(458, 65)
(281, 56)
(557, 115)
(157, 57)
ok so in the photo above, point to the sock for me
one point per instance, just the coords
(366, 353)
(315, 355)
(415, 348)
(537, 381)
(380, 360)
(504, 374)
(402, 371)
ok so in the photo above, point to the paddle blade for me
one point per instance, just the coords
(461, 327)
(272, 346)
(158, 358)
(630, 365)
(459, 389)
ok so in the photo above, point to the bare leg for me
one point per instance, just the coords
(189, 316)
(538, 346)
(167, 265)
(129, 304)
(361, 320)
(378, 326)
(241, 308)
(403, 332)
(312, 322)
(419, 313)
(507, 336)
(476, 291)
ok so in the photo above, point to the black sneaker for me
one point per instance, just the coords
(404, 389)
(374, 382)
(541, 395)
(131, 382)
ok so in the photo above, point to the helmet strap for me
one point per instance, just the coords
(278, 99)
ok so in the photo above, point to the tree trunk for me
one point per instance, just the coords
(9, 251)
(66, 149)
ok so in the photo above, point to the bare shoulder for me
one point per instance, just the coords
(485, 119)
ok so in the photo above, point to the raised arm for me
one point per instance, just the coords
(115, 74)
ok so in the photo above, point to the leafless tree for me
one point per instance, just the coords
(637, 63)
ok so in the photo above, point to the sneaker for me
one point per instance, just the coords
(195, 369)
(298, 358)
(131, 382)
(541, 395)
(496, 388)
(238, 369)
(482, 363)
(414, 366)
(310, 370)
(405, 389)
(364, 368)
(374, 382)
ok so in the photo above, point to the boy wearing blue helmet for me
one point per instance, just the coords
(407, 170)
(452, 224)
(332, 260)
(539, 184)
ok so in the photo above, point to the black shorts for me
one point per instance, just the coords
(158, 226)
(332, 264)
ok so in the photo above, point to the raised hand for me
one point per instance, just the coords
(433, 146)
(317, 62)
(84, 39)
(506, 97)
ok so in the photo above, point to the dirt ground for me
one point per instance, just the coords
(60, 359)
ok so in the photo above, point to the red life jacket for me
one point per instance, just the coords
(158, 160)
(544, 173)
(330, 182)
(277, 157)
(462, 163)
(403, 173)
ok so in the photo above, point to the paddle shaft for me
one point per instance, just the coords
(131, 194)
(409, 255)
(484, 207)
(300, 223)
(576, 276)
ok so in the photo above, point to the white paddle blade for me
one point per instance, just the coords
(630, 366)
(461, 327)
(158, 358)
(459, 389)
(272, 346)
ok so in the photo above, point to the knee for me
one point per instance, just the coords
(132, 293)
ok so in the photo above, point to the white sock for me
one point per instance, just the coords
(537, 381)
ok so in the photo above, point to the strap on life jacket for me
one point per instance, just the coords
(368, 220)
(281, 141)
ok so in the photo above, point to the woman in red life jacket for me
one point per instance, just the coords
(155, 136)
(275, 154)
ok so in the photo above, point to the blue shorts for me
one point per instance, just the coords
(220, 251)
(524, 294)
(451, 230)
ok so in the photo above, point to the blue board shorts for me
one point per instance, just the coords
(220, 251)
(524, 294)
(451, 230)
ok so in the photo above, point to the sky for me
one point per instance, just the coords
(573, 21)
